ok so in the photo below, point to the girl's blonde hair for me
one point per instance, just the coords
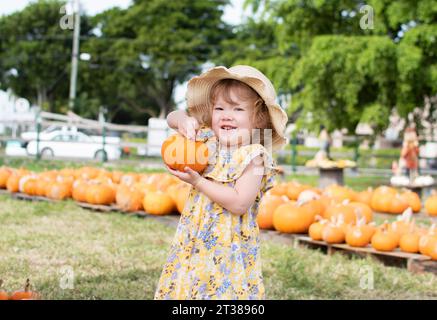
(260, 113)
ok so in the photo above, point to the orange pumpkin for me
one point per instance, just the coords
(279, 190)
(27, 184)
(359, 235)
(385, 240)
(290, 218)
(129, 198)
(426, 241)
(333, 233)
(79, 190)
(362, 210)
(267, 207)
(178, 152)
(158, 203)
(316, 230)
(99, 193)
(182, 197)
(365, 196)
(413, 200)
(431, 205)
(409, 242)
(294, 189)
(5, 173)
(58, 190)
(3, 294)
(340, 193)
(25, 294)
(14, 180)
(342, 211)
(382, 198)
(398, 204)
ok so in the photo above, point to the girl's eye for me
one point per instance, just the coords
(239, 109)
(218, 108)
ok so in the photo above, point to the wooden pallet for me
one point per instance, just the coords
(5, 191)
(23, 196)
(413, 262)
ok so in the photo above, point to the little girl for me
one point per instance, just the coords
(215, 253)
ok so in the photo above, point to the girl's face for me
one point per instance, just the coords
(231, 122)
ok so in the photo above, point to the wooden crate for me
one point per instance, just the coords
(413, 262)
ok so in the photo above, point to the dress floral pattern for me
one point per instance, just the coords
(215, 254)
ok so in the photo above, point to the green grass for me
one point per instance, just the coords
(114, 256)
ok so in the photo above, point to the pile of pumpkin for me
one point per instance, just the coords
(156, 193)
(341, 215)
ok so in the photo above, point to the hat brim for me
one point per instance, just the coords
(198, 96)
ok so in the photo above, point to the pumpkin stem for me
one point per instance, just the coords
(27, 286)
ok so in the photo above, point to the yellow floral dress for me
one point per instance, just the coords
(215, 254)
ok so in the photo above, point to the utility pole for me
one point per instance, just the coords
(75, 54)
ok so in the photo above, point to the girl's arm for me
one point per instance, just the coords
(237, 199)
(180, 121)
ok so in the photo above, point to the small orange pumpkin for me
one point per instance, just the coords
(385, 240)
(99, 193)
(129, 198)
(333, 233)
(158, 203)
(179, 152)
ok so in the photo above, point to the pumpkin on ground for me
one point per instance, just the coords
(100, 193)
(58, 190)
(365, 196)
(431, 205)
(267, 207)
(340, 193)
(3, 294)
(413, 200)
(182, 197)
(25, 294)
(128, 198)
(5, 173)
(362, 210)
(79, 190)
(179, 152)
(279, 190)
(290, 218)
(158, 203)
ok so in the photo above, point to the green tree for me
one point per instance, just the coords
(35, 54)
(147, 49)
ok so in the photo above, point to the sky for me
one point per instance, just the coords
(233, 14)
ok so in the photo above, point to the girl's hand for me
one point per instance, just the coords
(189, 176)
(187, 126)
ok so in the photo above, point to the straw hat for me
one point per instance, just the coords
(198, 94)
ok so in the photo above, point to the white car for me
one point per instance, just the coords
(51, 131)
(68, 144)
